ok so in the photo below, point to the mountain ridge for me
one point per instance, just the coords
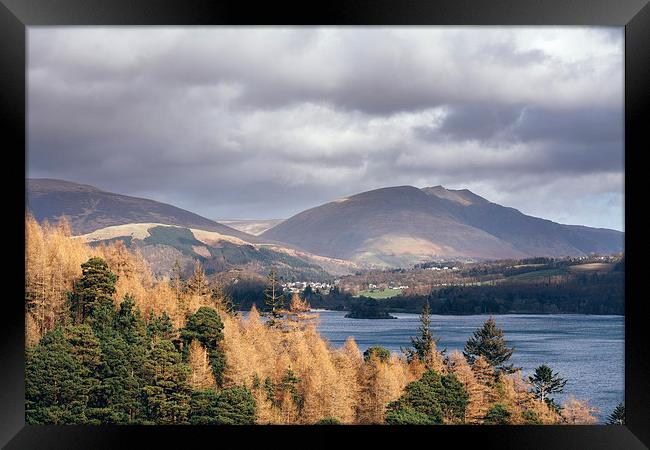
(89, 208)
(440, 222)
(387, 227)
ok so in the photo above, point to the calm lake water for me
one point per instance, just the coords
(586, 350)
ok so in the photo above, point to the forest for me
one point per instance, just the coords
(582, 294)
(107, 342)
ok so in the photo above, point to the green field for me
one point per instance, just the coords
(538, 273)
(376, 293)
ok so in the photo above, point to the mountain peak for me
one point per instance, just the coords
(464, 197)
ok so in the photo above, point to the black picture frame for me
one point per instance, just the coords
(634, 15)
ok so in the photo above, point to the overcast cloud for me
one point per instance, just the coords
(265, 122)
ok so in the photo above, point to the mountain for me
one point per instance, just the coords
(165, 234)
(89, 208)
(531, 235)
(389, 227)
(401, 225)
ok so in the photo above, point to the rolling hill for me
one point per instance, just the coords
(164, 245)
(401, 225)
(88, 209)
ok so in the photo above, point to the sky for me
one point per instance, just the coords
(264, 122)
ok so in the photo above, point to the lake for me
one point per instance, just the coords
(586, 350)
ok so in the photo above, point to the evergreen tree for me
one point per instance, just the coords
(232, 406)
(407, 415)
(488, 342)
(531, 418)
(498, 415)
(95, 288)
(160, 328)
(433, 399)
(166, 391)
(206, 327)
(115, 399)
(124, 351)
(617, 417)
(424, 345)
(55, 389)
(86, 348)
(546, 382)
(307, 293)
(274, 300)
(129, 323)
(381, 353)
(329, 420)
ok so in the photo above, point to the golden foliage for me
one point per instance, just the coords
(332, 382)
(478, 404)
(381, 382)
(295, 375)
(578, 412)
(298, 316)
(52, 263)
(202, 377)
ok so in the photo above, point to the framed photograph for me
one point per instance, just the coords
(352, 220)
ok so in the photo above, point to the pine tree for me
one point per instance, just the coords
(380, 353)
(232, 406)
(160, 328)
(55, 388)
(424, 345)
(115, 400)
(488, 342)
(95, 288)
(617, 417)
(166, 391)
(433, 399)
(498, 415)
(546, 382)
(274, 301)
(206, 327)
(124, 354)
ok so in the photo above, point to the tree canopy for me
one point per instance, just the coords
(488, 341)
(433, 399)
(546, 382)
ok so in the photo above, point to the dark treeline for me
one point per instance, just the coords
(589, 294)
(596, 293)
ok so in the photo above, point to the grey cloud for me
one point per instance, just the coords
(265, 122)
